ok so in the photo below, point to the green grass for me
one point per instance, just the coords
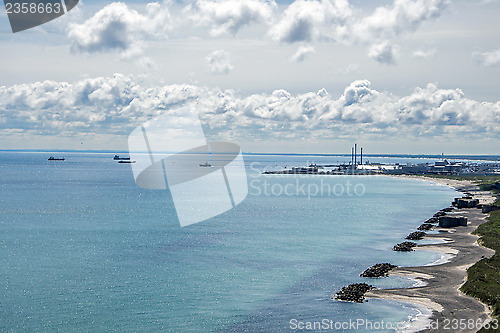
(483, 278)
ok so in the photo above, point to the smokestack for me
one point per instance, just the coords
(361, 156)
(352, 156)
(355, 153)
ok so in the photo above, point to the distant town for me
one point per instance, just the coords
(356, 166)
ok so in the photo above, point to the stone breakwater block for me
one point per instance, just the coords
(378, 270)
(452, 221)
(489, 208)
(417, 235)
(438, 214)
(404, 247)
(425, 226)
(354, 292)
(466, 202)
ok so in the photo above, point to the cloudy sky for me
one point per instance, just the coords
(396, 76)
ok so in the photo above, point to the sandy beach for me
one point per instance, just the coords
(439, 284)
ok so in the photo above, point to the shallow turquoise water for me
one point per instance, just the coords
(83, 248)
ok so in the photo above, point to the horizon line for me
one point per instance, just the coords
(266, 153)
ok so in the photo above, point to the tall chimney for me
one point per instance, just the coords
(352, 155)
(361, 156)
(355, 153)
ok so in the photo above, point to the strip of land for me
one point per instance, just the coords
(440, 288)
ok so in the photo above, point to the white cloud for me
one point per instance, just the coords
(387, 23)
(219, 62)
(358, 91)
(384, 53)
(115, 105)
(488, 59)
(119, 28)
(425, 53)
(302, 53)
(306, 21)
(403, 16)
(437, 107)
(108, 105)
(350, 69)
(229, 16)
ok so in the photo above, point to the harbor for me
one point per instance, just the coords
(356, 166)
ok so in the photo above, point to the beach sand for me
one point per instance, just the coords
(439, 284)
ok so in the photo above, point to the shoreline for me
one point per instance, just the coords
(439, 283)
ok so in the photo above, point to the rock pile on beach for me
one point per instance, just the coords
(354, 292)
(432, 220)
(405, 246)
(416, 235)
(425, 226)
(439, 214)
(378, 270)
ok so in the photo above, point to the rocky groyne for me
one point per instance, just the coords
(425, 226)
(416, 235)
(354, 292)
(440, 290)
(404, 247)
(378, 270)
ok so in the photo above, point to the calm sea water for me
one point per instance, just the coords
(83, 248)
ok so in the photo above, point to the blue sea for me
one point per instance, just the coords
(82, 248)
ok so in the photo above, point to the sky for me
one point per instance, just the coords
(395, 76)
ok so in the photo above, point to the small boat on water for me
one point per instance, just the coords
(126, 161)
(206, 165)
(52, 158)
(118, 158)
